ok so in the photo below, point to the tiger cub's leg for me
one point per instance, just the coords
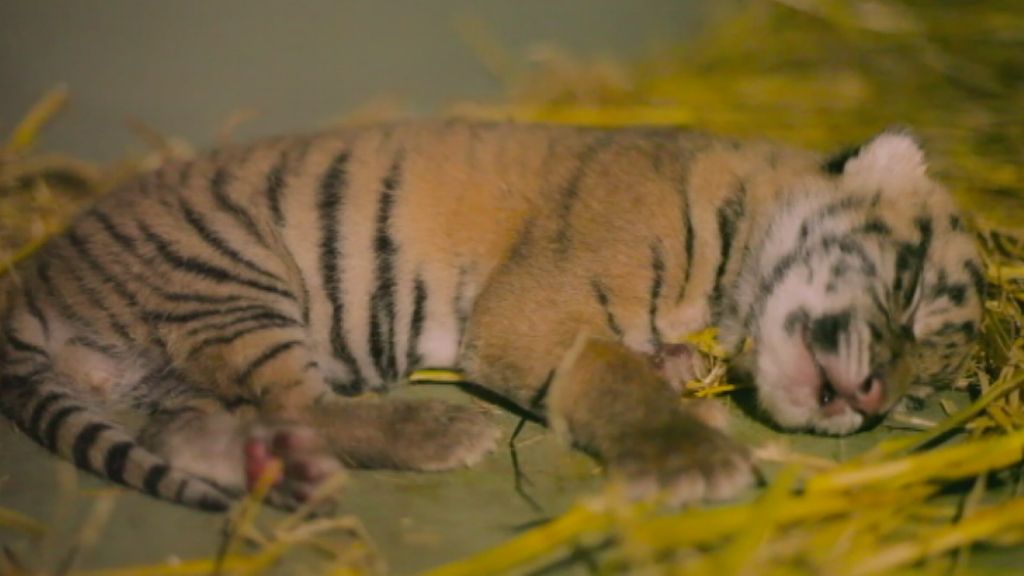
(234, 448)
(603, 397)
(276, 371)
(269, 365)
(404, 434)
(266, 366)
(612, 401)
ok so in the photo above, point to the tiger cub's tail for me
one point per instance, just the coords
(67, 426)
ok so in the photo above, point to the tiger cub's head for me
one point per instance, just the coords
(868, 285)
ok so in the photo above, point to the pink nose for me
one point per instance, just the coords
(868, 396)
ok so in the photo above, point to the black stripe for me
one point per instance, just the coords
(571, 192)
(329, 203)
(956, 292)
(81, 246)
(825, 331)
(266, 356)
(218, 189)
(18, 382)
(728, 216)
(116, 460)
(63, 306)
(977, 278)
(84, 442)
(966, 329)
(845, 244)
(539, 398)
(657, 282)
(87, 341)
(93, 296)
(223, 339)
(34, 310)
(304, 291)
(268, 315)
(232, 404)
(687, 244)
(168, 317)
(875, 225)
(179, 297)
(204, 269)
(179, 494)
(826, 213)
(55, 422)
(999, 244)
(168, 412)
(219, 244)
(130, 246)
(154, 476)
(910, 263)
(275, 185)
(605, 302)
(796, 320)
(524, 238)
(419, 316)
(210, 504)
(879, 303)
(124, 240)
(850, 246)
(22, 346)
(382, 300)
(39, 410)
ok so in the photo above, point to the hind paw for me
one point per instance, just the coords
(459, 436)
(305, 462)
(433, 435)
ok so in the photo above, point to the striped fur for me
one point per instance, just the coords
(273, 277)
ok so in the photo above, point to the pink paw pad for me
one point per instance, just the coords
(677, 364)
(304, 461)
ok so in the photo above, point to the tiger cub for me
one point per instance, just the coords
(246, 301)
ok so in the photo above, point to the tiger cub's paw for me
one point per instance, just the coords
(681, 461)
(678, 364)
(305, 459)
(436, 435)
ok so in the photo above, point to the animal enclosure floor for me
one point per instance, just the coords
(416, 521)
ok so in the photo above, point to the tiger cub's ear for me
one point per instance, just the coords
(893, 158)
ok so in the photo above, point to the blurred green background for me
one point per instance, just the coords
(183, 67)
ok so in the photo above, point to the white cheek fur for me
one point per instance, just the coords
(786, 375)
(839, 424)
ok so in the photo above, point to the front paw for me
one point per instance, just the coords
(680, 461)
(678, 364)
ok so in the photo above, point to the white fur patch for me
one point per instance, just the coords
(439, 343)
(892, 159)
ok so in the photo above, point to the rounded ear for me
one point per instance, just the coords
(893, 158)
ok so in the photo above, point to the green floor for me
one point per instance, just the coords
(416, 521)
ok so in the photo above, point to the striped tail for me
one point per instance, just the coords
(65, 425)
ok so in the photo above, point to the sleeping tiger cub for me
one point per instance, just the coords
(247, 300)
